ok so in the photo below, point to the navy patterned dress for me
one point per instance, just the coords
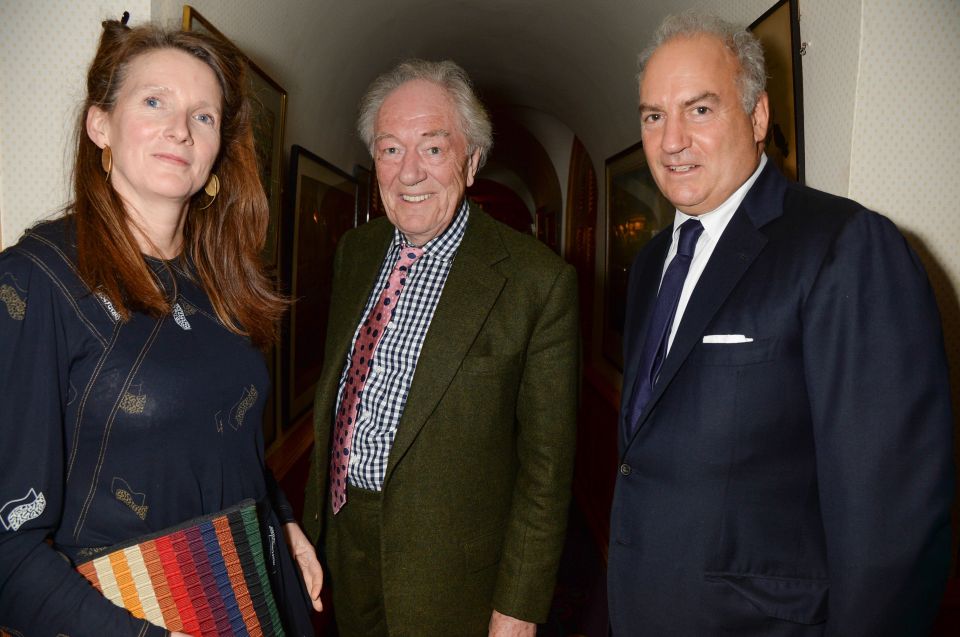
(110, 430)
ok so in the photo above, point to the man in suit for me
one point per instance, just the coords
(785, 431)
(445, 413)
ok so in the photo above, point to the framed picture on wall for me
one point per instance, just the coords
(321, 209)
(270, 108)
(636, 211)
(779, 31)
(369, 204)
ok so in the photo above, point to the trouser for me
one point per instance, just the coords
(353, 555)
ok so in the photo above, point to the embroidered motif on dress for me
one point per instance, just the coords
(14, 297)
(180, 318)
(136, 501)
(238, 412)
(133, 403)
(240, 409)
(16, 513)
(112, 311)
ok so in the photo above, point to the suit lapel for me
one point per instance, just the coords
(471, 289)
(738, 247)
(644, 286)
(360, 266)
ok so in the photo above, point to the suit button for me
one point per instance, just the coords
(625, 469)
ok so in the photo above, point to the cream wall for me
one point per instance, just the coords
(830, 80)
(881, 83)
(41, 88)
(906, 136)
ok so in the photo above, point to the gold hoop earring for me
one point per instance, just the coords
(212, 188)
(106, 160)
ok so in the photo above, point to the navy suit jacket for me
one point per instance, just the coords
(798, 484)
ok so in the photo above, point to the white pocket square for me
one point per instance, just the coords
(726, 338)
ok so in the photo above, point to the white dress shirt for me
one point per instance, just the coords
(714, 223)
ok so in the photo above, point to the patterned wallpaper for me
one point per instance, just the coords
(42, 90)
(906, 133)
(906, 137)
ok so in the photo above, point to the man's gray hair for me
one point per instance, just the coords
(474, 120)
(745, 46)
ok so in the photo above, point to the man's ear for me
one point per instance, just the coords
(473, 164)
(760, 118)
(98, 126)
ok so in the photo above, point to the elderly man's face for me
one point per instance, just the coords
(700, 144)
(421, 158)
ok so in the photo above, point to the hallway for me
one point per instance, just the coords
(559, 80)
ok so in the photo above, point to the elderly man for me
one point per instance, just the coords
(786, 431)
(445, 414)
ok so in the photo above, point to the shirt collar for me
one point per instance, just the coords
(444, 245)
(715, 221)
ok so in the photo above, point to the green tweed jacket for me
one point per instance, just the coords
(478, 481)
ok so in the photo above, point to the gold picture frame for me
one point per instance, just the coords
(779, 32)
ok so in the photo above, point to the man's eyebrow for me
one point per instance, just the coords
(709, 96)
(440, 132)
(706, 96)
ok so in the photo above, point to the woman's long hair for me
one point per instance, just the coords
(222, 239)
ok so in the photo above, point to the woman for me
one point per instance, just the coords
(132, 380)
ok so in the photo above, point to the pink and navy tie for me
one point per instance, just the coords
(360, 362)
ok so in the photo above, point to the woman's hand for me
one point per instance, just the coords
(306, 557)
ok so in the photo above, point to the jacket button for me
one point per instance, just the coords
(625, 469)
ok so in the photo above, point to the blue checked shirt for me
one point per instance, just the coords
(385, 392)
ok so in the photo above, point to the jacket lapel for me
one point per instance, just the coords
(644, 287)
(471, 289)
(738, 247)
(359, 268)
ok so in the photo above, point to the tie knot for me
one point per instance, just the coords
(689, 233)
(408, 256)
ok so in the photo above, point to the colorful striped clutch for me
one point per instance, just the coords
(203, 577)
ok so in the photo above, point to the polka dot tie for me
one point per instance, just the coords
(360, 362)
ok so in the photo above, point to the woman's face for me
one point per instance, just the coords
(164, 131)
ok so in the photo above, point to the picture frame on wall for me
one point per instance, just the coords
(322, 207)
(635, 212)
(269, 120)
(369, 203)
(779, 32)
